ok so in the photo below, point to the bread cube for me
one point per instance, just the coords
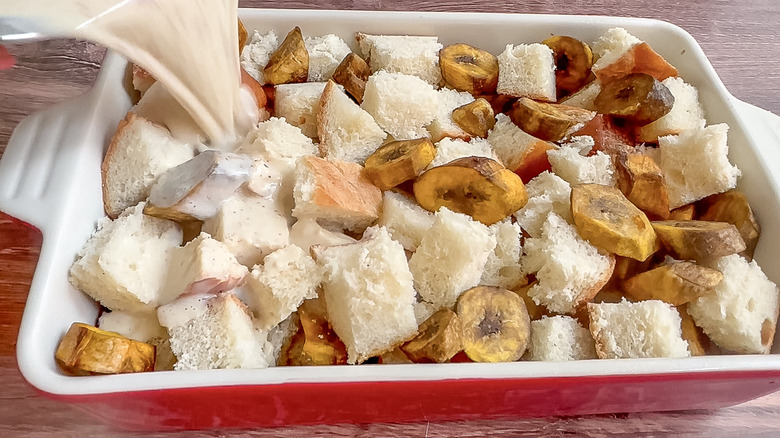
(202, 266)
(502, 268)
(346, 131)
(214, 332)
(547, 193)
(740, 315)
(569, 163)
(511, 143)
(257, 53)
(686, 113)
(610, 46)
(298, 103)
(249, 226)
(405, 220)
(527, 70)
(584, 98)
(139, 152)
(569, 270)
(560, 338)
(286, 277)
(325, 54)
(141, 326)
(277, 140)
(695, 164)
(635, 330)
(411, 55)
(369, 294)
(451, 257)
(403, 105)
(450, 149)
(336, 193)
(442, 125)
(124, 263)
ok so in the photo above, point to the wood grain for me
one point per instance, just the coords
(738, 37)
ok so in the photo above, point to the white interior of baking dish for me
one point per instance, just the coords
(50, 177)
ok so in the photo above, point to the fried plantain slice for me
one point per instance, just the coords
(548, 121)
(477, 186)
(699, 240)
(475, 118)
(290, 62)
(352, 73)
(733, 207)
(637, 97)
(573, 60)
(439, 338)
(88, 350)
(496, 325)
(467, 68)
(675, 282)
(399, 161)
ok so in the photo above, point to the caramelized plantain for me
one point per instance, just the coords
(675, 282)
(573, 60)
(496, 325)
(352, 73)
(467, 68)
(643, 183)
(691, 333)
(290, 62)
(475, 118)
(477, 186)
(637, 97)
(548, 121)
(399, 161)
(684, 213)
(608, 220)
(243, 36)
(698, 240)
(535, 311)
(88, 350)
(439, 338)
(733, 207)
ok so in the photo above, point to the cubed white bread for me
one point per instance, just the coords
(686, 113)
(202, 266)
(250, 226)
(335, 192)
(527, 70)
(502, 268)
(124, 263)
(346, 131)
(369, 294)
(569, 270)
(442, 125)
(450, 149)
(411, 55)
(509, 142)
(325, 54)
(298, 103)
(740, 315)
(404, 219)
(695, 164)
(610, 46)
(569, 163)
(585, 97)
(649, 328)
(141, 326)
(279, 335)
(306, 232)
(403, 105)
(277, 140)
(423, 310)
(560, 338)
(142, 79)
(257, 53)
(139, 152)
(286, 277)
(547, 193)
(451, 257)
(214, 332)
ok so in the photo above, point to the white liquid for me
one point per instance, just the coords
(189, 46)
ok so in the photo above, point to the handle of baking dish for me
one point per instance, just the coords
(763, 126)
(52, 153)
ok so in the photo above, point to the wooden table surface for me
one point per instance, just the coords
(738, 37)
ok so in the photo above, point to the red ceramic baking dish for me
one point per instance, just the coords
(50, 178)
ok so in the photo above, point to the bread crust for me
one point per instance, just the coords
(110, 210)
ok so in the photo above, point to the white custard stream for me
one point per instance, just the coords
(189, 46)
